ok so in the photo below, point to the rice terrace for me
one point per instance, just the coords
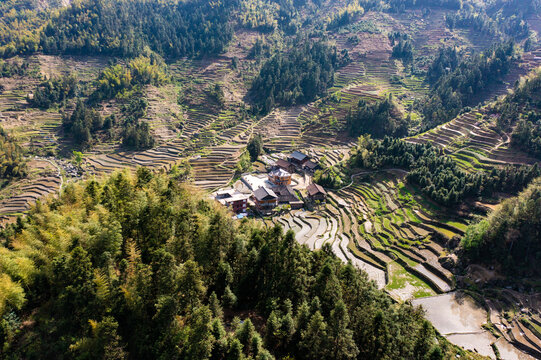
(270, 179)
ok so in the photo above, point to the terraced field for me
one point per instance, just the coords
(34, 128)
(502, 320)
(516, 317)
(18, 197)
(378, 226)
(471, 139)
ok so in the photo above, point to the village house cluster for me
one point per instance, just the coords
(287, 184)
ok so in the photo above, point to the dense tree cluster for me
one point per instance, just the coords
(379, 119)
(509, 237)
(53, 91)
(345, 15)
(259, 14)
(82, 124)
(140, 266)
(330, 177)
(445, 62)
(521, 112)
(255, 147)
(461, 87)
(402, 46)
(14, 68)
(20, 23)
(495, 17)
(118, 80)
(136, 133)
(12, 162)
(124, 82)
(138, 136)
(297, 76)
(85, 125)
(260, 49)
(401, 5)
(527, 134)
(123, 28)
(437, 175)
(483, 24)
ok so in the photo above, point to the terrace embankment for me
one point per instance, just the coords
(378, 226)
(480, 327)
(473, 141)
(19, 196)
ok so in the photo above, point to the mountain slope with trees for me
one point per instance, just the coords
(298, 76)
(509, 237)
(12, 162)
(462, 85)
(138, 266)
(519, 113)
(436, 174)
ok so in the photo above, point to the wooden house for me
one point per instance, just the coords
(280, 177)
(297, 158)
(316, 192)
(285, 165)
(286, 195)
(310, 167)
(265, 199)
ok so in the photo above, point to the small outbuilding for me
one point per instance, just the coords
(297, 158)
(285, 165)
(310, 166)
(286, 195)
(316, 192)
(234, 200)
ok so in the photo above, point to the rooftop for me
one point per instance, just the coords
(279, 173)
(254, 182)
(227, 196)
(310, 165)
(224, 193)
(298, 156)
(284, 191)
(236, 197)
(314, 189)
(263, 193)
(283, 163)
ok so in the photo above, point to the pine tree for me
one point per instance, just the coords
(340, 337)
(314, 340)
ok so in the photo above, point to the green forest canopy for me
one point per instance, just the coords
(463, 84)
(121, 28)
(12, 162)
(297, 76)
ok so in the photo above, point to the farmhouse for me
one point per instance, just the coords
(298, 158)
(286, 195)
(285, 165)
(280, 177)
(265, 199)
(233, 199)
(310, 166)
(316, 192)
